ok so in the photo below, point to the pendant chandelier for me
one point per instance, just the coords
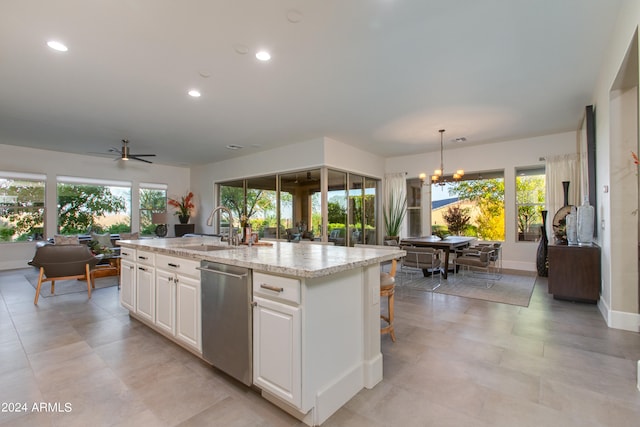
(438, 174)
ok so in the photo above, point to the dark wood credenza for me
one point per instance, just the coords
(574, 272)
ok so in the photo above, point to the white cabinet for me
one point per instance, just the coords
(188, 311)
(277, 349)
(128, 279)
(166, 301)
(145, 285)
(277, 335)
(145, 292)
(178, 299)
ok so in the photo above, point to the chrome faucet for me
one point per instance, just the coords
(232, 230)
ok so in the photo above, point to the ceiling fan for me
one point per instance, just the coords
(125, 154)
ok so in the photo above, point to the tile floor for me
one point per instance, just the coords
(456, 362)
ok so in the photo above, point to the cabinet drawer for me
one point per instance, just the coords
(278, 287)
(145, 257)
(184, 266)
(128, 254)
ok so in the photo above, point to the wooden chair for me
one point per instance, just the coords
(387, 289)
(63, 262)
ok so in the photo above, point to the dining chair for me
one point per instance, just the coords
(425, 260)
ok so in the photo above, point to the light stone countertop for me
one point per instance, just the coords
(294, 259)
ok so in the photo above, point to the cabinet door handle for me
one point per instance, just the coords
(142, 268)
(170, 264)
(142, 257)
(271, 288)
(125, 253)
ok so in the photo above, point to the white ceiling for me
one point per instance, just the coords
(382, 75)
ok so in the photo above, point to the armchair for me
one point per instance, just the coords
(63, 262)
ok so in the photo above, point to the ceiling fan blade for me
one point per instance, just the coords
(139, 159)
(142, 155)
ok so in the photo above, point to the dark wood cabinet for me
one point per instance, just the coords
(182, 229)
(574, 272)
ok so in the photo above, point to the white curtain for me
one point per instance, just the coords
(565, 167)
(395, 183)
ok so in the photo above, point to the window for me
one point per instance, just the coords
(414, 207)
(530, 201)
(480, 197)
(153, 199)
(294, 210)
(21, 206)
(88, 205)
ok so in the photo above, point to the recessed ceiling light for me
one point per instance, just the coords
(460, 139)
(57, 46)
(263, 55)
(234, 147)
(194, 93)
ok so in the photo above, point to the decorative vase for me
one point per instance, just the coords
(184, 219)
(541, 256)
(585, 224)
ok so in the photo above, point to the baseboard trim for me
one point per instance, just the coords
(619, 319)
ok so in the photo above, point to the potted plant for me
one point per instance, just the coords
(394, 211)
(183, 206)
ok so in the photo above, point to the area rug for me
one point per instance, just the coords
(505, 288)
(66, 286)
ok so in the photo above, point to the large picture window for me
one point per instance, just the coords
(87, 205)
(530, 201)
(470, 207)
(22, 207)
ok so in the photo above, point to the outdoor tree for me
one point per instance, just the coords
(80, 205)
(457, 219)
(529, 198)
(256, 201)
(22, 211)
(151, 201)
(488, 194)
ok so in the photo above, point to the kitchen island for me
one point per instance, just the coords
(314, 313)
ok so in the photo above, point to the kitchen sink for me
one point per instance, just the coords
(207, 248)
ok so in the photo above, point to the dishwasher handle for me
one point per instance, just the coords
(224, 273)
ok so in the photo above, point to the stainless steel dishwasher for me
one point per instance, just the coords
(227, 319)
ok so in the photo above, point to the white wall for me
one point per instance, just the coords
(505, 156)
(618, 236)
(52, 164)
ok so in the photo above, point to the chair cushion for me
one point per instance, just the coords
(103, 240)
(61, 239)
(386, 280)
